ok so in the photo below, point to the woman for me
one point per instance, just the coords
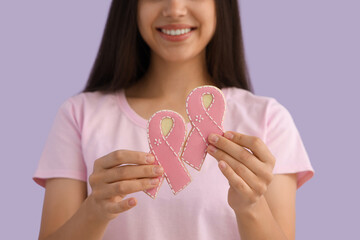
(153, 53)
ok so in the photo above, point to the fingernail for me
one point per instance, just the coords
(154, 181)
(158, 170)
(213, 138)
(212, 149)
(150, 158)
(222, 165)
(228, 135)
(132, 202)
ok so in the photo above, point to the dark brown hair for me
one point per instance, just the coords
(124, 57)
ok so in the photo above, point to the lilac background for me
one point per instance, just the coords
(303, 53)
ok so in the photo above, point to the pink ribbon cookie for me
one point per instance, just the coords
(166, 142)
(205, 107)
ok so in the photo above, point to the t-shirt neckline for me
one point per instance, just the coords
(134, 116)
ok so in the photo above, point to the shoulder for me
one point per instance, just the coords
(88, 105)
(89, 101)
(254, 114)
(90, 98)
(241, 99)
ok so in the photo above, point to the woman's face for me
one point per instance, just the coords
(176, 30)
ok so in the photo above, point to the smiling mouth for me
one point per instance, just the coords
(175, 32)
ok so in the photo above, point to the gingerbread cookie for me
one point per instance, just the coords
(166, 135)
(205, 107)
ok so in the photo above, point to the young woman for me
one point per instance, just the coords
(96, 161)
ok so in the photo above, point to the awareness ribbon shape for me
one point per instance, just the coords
(204, 120)
(167, 148)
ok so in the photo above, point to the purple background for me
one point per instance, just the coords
(304, 53)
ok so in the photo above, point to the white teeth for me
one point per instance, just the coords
(176, 32)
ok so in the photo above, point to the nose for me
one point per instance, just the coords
(174, 8)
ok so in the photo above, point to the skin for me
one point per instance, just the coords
(69, 214)
(264, 204)
(180, 66)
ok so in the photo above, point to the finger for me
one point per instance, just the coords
(122, 206)
(237, 152)
(235, 181)
(123, 188)
(132, 172)
(252, 180)
(125, 156)
(255, 144)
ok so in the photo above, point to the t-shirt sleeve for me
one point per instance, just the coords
(62, 155)
(284, 141)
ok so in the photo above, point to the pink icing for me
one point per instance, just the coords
(204, 121)
(167, 149)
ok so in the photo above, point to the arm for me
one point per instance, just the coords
(66, 217)
(273, 217)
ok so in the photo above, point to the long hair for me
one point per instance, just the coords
(124, 57)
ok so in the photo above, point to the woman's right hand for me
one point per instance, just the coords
(111, 183)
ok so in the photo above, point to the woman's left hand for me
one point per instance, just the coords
(249, 174)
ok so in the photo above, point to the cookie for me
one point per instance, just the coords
(206, 108)
(166, 135)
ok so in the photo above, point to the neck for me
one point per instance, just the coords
(172, 80)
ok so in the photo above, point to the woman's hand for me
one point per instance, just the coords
(111, 183)
(249, 174)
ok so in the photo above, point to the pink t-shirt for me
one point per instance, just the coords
(88, 126)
